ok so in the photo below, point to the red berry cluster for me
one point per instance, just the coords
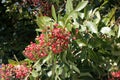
(21, 71)
(9, 71)
(57, 41)
(115, 74)
(35, 51)
(60, 38)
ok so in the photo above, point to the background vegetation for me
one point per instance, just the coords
(96, 48)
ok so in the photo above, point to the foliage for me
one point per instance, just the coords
(79, 42)
(93, 44)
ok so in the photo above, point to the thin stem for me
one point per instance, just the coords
(16, 58)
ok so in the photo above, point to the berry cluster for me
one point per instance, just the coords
(60, 40)
(115, 74)
(9, 71)
(35, 51)
(57, 41)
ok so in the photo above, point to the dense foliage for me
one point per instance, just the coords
(76, 40)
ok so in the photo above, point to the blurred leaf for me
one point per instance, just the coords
(81, 42)
(54, 13)
(118, 35)
(69, 6)
(81, 5)
(86, 76)
(109, 16)
(69, 16)
(91, 26)
(43, 21)
(107, 30)
(38, 67)
(49, 73)
(97, 20)
(88, 12)
(76, 69)
(73, 66)
(103, 4)
(34, 73)
(82, 15)
(12, 62)
(38, 30)
(76, 24)
(69, 27)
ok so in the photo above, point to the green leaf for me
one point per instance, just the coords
(54, 13)
(81, 5)
(31, 78)
(109, 16)
(43, 21)
(61, 23)
(87, 12)
(13, 62)
(49, 73)
(91, 26)
(76, 24)
(118, 35)
(38, 30)
(82, 15)
(38, 67)
(76, 69)
(34, 73)
(86, 76)
(107, 30)
(69, 27)
(97, 20)
(67, 17)
(81, 42)
(69, 6)
(73, 66)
